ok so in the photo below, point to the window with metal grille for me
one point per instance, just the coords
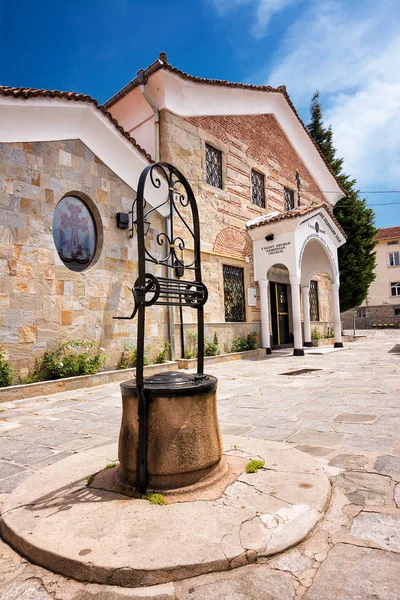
(394, 259)
(234, 293)
(393, 243)
(289, 198)
(314, 303)
(258, 188)
(213, 166)
(395, 288)
(361, 312)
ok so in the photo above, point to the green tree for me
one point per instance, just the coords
(357, 258)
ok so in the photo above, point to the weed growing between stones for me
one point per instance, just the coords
(155, 498)
(254, 465)
(110, 466)
(89, 479)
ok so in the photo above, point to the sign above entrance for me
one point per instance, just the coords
(319, 228)
(275, 248)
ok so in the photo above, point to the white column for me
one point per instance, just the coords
(336, 315)
(305, 290)
(265, 333)
(296, 317)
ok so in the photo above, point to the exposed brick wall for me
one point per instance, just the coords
(261, 139)
(42, 302)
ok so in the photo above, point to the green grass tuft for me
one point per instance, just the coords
(254, 465)
(110, 466)
(155, 498)
(90, 479)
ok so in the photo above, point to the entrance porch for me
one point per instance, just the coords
(291, 250)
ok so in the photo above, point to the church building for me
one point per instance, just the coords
(69, 166)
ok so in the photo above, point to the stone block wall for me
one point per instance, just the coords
(42, 302)
(373, 317)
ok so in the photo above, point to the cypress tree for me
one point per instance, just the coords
(357, 258)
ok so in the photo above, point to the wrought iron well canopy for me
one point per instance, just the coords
(174, 246)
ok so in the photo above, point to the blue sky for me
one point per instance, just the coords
(348, 49)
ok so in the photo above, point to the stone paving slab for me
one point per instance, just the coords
(361, 382)
(353, 573)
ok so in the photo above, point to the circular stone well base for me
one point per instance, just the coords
(210, 487)
(93, 535)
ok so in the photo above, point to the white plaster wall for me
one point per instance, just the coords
(136, 116)
(188, 98)
(44, 119)
(290, 247)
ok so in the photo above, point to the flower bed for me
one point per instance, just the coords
(43, 388)
(191, 363)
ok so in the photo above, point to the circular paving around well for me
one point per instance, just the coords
(58, 522)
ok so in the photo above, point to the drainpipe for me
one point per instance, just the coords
(168, 225)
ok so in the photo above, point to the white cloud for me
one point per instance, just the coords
(350, 52)
(263, 11)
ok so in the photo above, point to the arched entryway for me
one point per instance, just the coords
(315, 261)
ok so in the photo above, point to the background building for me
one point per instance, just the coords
(381, 307)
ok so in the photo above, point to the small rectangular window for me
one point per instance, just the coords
(397, 312)
(314, 301)
(395, 288)
(361, 312)
(393, 243)
(234, 294)
(394, 259)
(213, 166)
(289, 198)
(258, 188)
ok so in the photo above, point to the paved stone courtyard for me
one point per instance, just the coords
(346, 411)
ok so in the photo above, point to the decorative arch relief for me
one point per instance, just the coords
(233, 242)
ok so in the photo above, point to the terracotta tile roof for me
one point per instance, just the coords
(162, 63)
(388, 232)
(26, 93)
(293, 214)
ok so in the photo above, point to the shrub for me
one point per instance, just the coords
(162, 355)
(239, 345)
(191, 344)
(315, 334)
(129, 357)
(212, 348)
(252, 340)
(6, 373)
(330, 333)
(244, 344)
(77, 357)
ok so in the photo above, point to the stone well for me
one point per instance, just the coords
(183, 437)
